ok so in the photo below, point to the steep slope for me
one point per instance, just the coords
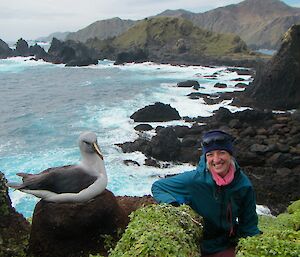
(277, 86)
(102, 29)
(167, 39)
(260, 23)
(57, 35)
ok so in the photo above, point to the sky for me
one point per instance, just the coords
(31, 19)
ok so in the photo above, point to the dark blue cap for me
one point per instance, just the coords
(217, 140)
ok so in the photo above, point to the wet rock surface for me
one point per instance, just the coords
(267, 147)
(14, 228)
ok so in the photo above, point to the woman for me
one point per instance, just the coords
(218, 191)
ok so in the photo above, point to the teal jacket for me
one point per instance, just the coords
(229, 211)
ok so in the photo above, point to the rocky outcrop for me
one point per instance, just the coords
(70, 53)
(156, 112)
(266, 145)
(14, 228)
(75, 229)
(137, 56)
(5, 51)
(189, 83)
(277, 85)
(22, 48)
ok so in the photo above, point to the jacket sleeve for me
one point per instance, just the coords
(173, 189)
(248, 219)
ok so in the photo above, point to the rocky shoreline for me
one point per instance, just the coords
(267, 148)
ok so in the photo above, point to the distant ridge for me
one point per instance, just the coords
(171, 39)
(260, 23)
(59, 35)
(102, 29)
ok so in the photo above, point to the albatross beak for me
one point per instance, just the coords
(97, 149)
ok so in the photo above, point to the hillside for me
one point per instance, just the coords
(167, 39)
(102, 29)
(260, 23)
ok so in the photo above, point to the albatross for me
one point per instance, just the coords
(72, 183)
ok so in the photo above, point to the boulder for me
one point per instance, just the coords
(75, 229)
(143, 127)
(189, 83)
(156, 112)
(220, 85)
(14, 228)
(165, 145)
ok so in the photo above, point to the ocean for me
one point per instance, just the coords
(45, 107)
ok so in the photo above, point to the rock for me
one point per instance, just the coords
(220, 85)
(152, 162)
(276, 86)
(22, 48)
(189, 83)
(156, 112)
(242, 71)
(143, 127)
(131, 163)
(257, 148)
(70, 53)
(137, 55)
(14, 228)
(241, 85)
(165, 145)
(5, 51)
(75, 229)
(38, 52)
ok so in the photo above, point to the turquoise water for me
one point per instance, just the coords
(45, 107)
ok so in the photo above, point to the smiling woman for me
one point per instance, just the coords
(217, 190)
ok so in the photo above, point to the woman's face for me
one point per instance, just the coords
(219, 161)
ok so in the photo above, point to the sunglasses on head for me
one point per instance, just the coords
(217, 139)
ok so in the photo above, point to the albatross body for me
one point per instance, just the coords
(72, 183)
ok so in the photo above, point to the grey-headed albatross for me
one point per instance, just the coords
(72, 183)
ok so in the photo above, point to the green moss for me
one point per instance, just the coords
(281, 236)
(161, 230)
(294, 207)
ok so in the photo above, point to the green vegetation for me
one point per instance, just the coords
(281, 236)
(180, 35)
(161, 230)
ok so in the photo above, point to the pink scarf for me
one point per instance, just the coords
(223, 181)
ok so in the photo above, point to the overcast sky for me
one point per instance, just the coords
(31, 19)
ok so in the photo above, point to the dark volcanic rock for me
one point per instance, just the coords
(71, 53)
(143, 127)
(277, 85)
(165, 145)
(189, 83)
(75, 229)
(137, 56)
(22, 48)
(264, 143)
(14, 228)
(156, 112)
(5, 51)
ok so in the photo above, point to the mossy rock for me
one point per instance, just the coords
(161, 230)
(281, 236)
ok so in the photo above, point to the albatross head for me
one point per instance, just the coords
(88, 143)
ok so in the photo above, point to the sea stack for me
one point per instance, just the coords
(277, 85)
